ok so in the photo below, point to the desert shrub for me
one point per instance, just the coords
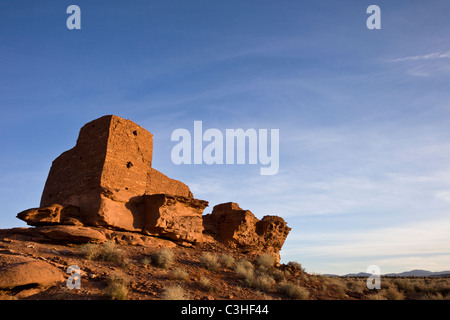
(376, 296)
(335, 283)
(163, 258)
(209, 261)
(358, 285)
(146, 261)
(278, 275)
(434, 296)
(118, 287)
(390, 293)
(108, 251)
(261, 282)
(206, 284)
(178, 274)
(296, 265)
(387, 283)
(293, 291)
(438, 285)
(89, 250)
(405, 285)
(265, 261)
(227, 260)
(419, 285)
(244, 269)
(174, 293)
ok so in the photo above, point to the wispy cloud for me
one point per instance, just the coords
(430, 56)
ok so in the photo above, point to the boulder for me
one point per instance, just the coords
(231, 225)
(240, 229)
(17, 271)
(53, 214)
(174, 217)
(272, 232)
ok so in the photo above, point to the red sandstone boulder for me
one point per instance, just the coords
(174, 217)
(240, 229)
(18, 271)
(51, 215)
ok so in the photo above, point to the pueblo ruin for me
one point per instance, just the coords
(106, 183)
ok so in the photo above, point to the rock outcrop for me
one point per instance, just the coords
(105, 189)
(106, 182)
(71, 234)
(240, 229)
(103, 180)
(175, 217)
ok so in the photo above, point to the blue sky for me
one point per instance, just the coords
(363, 115)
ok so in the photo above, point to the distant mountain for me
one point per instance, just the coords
(418, 273)
(412, 273)
(361, 274)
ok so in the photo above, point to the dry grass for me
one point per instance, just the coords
(118, 287)
(293, 291)
(206, 284)
(278, 275)
(227, 260)
(390, 293)
(107, 251)
(260, 279)
(261, 282)
(175, 292)
(296, 265)
(178, 274)
(336, 284)
(265, 261)
(164, 258)
(357, 285)
(392, 288)
(244, 269)
(209, 261)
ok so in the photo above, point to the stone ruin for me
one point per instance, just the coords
(107, 181)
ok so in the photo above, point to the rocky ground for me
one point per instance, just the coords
(33, 266)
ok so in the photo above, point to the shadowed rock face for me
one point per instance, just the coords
(240, 229)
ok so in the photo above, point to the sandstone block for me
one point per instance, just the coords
(240, 229)
(159, 183)
(174, 217)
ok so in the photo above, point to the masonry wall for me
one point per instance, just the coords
(107, 173)
(76, 174)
